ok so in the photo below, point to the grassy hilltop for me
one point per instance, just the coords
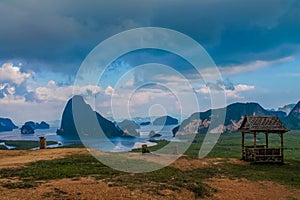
(219, 164)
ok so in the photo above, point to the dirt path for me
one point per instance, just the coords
(18, 158)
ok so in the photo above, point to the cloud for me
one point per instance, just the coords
(43, 102)
(247, 31)
(13, 80)
(109, 90)
(232, 92)
(20, 110)
(228, 85)
(53, 92)
(258, 64)
(11, 90)
(20, 90)
(231, 70)
(142, 98)
(221, 85)
(12, 74)
(16, 84)
(238, 89)
(49, 36)
(126, 102)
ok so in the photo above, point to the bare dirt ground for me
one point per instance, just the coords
(89, 188)
(19, 158)
(244, 189)
(85, 188)
(185, 165)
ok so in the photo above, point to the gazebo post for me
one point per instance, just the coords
(254, 140)
(243, 145)
(267, 140)
(281, 143)
(254, 150)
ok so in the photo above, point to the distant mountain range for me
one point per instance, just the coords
(287, 108)
(292, 121)
(199, 122)
(280, 114)
(283, 111)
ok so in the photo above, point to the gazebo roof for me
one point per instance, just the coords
(268, 124)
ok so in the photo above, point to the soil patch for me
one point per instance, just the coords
(185, 165)
(87, 188)
(19, 158)
(245, 189)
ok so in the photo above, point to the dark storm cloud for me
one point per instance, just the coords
(239, 31)
(59, 34)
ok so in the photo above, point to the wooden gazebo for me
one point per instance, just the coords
(266, 125)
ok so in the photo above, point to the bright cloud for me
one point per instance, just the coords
(109, 90)
(20, 93)
(16, 108)
(53, 92)
(11, 90)
(12, 74)
(143, 96)
(12, 80)
(238, 89)
(234, 93)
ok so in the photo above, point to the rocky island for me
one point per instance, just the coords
(26, 129)
(88, 121)
(6, 125)
(145, 123)
(36, 125)
(129, 128)
(165, 121)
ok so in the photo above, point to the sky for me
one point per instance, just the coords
(254, 44)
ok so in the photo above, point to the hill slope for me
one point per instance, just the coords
(200, 121)
(292, 121)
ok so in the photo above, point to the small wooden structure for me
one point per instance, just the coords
(267, 125)
(145, 149)
(43, 143)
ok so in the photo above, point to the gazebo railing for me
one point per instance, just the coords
(262, 154)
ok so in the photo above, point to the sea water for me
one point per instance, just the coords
(118, 144)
